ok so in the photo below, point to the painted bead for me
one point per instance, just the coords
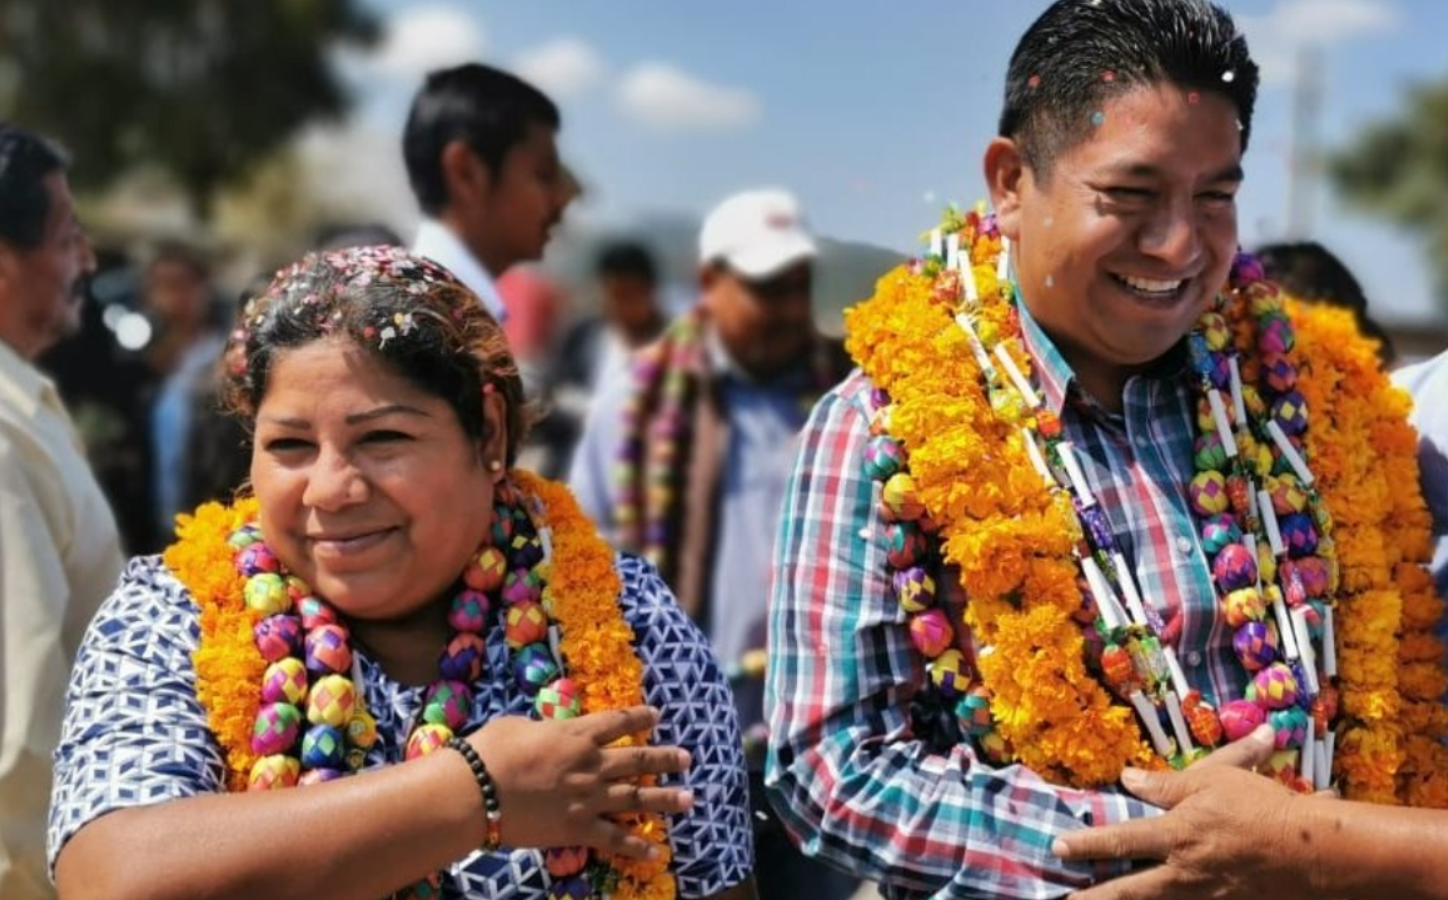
(285, 681)
(1235, 567)
(1208, 493)
(524, 550)
(278, 637)
(1279, 373)
(1239, 494)
(1314, 573)
(362, 729)
(522, 586)
(331, 701)
(269, 773)
(256, 559)
(1274, 687)
(1287, 495)
(1299, 534)
(883, 457)
(469, 611)
(950, 674)
(463, 658)
(1240, 718)
(564, 861)
(1244, 605)
(1256, 645)
(931, 632)
(1218, 531)
(329, 649)
(1202, 720)
(1289, 727)
(898, 498)
(266, 593)
(486, 570)
(559, 700)
(323, 748)
(1274, 335)
(1290, 411)
(1118, 668)
(1210, 453)
(1215, 330)
(905, 544)
(533, 667)
(1247, 270)
(426, 739)
(972, 711)
(275, 728)
(447, 703)
(315, 612)
(525, 624)
(915, 589)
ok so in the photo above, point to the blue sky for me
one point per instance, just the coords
(874, 113)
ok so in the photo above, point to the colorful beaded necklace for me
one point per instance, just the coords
(310, 722)
(1251, 469)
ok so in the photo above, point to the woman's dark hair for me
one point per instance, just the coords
(25, 159)
(488, 109)
(1081, 53)
(406, 311)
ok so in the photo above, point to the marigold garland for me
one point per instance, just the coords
(581, 593)
(1011, 538)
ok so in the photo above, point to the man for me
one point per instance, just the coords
(481, 156)
(1427, 382)
(896, 679)
(59, 552)
(686, 461)
(178, 297)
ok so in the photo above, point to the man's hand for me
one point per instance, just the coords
(1226, 835)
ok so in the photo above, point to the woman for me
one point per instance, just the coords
(294, 639)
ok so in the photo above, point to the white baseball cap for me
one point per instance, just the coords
(756, 234)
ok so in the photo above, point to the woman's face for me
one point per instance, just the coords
(369, 488)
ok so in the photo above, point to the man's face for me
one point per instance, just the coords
(525, 198)
(176, 292)
(47, 282)
(629, 303)
(765, 323)
(1122, 247)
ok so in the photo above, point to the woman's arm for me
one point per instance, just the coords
(369, 835)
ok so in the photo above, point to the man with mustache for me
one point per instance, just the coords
(59, 549)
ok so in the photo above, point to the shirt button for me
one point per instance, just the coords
(1184, 545)
(1194, 658)
(1143, 441)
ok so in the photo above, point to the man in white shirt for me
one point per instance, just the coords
(481, 154)
(59, 549)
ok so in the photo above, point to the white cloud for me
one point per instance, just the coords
(419, 39)
(562, 67)
(1277, 37)
(666, 98)
(356, 171)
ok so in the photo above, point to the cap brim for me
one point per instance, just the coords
(773, 258)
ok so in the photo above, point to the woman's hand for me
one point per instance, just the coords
(558, 781)
(1228, 834)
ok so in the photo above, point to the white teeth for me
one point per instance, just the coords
(1146, 285)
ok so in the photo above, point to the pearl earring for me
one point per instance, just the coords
(495, 466)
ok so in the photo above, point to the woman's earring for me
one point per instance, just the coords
(495, 466)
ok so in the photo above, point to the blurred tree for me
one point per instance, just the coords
(1398, 168)
(203, 89)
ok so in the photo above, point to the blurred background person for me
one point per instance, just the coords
(59, 549)
(686, 461)
(482, 158)
(178, 297)
(1310, 271)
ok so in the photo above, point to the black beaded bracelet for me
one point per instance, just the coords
(491, 808)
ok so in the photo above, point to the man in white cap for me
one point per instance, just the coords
(686, 460)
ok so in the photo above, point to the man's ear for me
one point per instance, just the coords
(467, 177)
(1005, 170)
